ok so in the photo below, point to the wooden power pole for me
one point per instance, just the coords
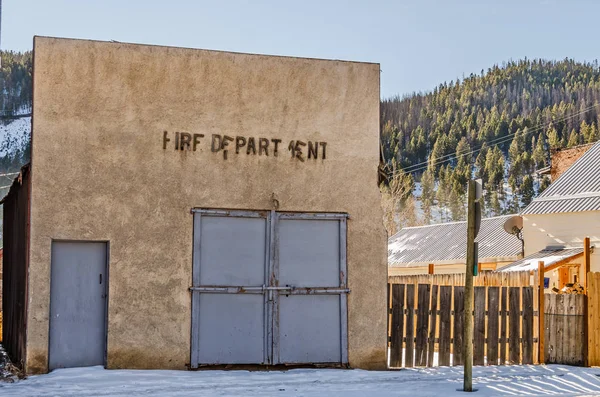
(473, 222)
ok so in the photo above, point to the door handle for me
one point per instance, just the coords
(100, 278)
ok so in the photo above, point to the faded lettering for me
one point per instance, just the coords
(263, 146)
(185, 140)
(251, 146)
(299, 149)
(276, 142)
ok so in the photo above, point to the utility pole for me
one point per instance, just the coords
(473, 222)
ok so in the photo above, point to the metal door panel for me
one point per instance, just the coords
(232, 251)
(231, 329)
(309, 253)
(229, 302)
(77, 304)
(310, 329)
(310, 305)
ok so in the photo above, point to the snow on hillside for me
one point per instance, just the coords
(14, 134)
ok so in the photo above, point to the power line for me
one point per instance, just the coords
(534, 129)
(491, 143)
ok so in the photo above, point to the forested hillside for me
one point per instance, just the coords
(15, 102)
(498, 125)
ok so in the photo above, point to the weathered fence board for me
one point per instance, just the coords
(432, 325)
(422, 325)
(397, 331)
(564, 328)
(410, 326)
(514, 323)
(492, 329)
(527, 326)
(503, 325)
(445, 306)
(479, 327)
(459, 308)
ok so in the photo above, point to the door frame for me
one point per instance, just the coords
(270, 289)
(106, 292)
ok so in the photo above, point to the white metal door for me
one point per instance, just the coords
(77, 304)
(310, 309)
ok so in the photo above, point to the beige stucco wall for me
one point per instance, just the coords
(566, 229)
(99, 172)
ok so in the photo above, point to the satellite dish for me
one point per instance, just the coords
(513, 225)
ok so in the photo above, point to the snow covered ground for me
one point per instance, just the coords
(490, 381)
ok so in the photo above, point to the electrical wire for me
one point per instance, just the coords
(500, 139)
(490, 143)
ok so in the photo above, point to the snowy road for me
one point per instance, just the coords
(491, 381)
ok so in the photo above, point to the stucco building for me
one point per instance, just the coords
(188, 207)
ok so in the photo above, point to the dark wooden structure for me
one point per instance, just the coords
(15, 266)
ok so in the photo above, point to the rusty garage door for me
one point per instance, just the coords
(268, 288)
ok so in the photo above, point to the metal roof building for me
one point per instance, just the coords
(578, 189)
(550, 256)
(444, 246)
(557, 224)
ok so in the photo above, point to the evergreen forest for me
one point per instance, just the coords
(499, 125)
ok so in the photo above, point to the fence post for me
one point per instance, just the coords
(586, 260)
(541, 327)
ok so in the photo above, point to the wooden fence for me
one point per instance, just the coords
(426, 317)
(564, 329)
(429, 318)
(486, 278)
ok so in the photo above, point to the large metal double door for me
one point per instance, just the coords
(268, 288)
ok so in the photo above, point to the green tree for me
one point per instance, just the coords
(427, 194)
(553, 138)
(496, 208)
(544, 184)
(573, 138)
(539, 153)
(527, 191)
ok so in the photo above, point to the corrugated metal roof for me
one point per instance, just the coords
(549, 255)
(415, 246)
(578, 189)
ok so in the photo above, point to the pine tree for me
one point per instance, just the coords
(527, 191)
(593, 135)
(574, 138)
(496, 209)
(544, 184)
(539, 153)
(553, 138)
(427, 194)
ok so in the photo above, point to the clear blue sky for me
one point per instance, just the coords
(418, 43)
